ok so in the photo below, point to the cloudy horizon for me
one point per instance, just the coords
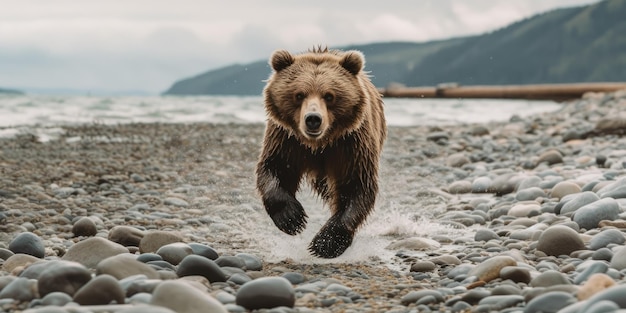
(145, 46)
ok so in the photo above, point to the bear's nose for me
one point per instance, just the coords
(313, 121)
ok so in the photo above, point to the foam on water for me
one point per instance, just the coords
(389, 222)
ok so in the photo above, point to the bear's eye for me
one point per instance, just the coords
(329, 97)
(299, 96)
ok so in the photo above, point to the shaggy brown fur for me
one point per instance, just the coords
(325, 124)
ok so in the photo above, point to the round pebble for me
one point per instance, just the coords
(559, 240)
(550, 157)
(579, 201)
(423, 266)
(489, 269)
(564, 188)
(199, 265)
(266, 293)
(605, 238)
(549, 302)
(91, 251)
(152, 241)
(174, 253)
(84, 226)
(125, 235)
(182, 297)
(125, 265)
(103, 289)
(591, 214)
(63, 276)
(27, 243)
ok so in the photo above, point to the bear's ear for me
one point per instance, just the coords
(353, 61)
(280, 60)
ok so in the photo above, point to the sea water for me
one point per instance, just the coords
(39, 110)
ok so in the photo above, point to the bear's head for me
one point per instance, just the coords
(317, 96)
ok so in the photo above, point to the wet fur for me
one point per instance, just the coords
(341, 165)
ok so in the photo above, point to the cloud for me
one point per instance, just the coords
(143, 44)
(389, 26)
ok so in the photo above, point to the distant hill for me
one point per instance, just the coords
(581, 44)
(11, 91)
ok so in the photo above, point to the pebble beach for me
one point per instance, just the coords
(527, 215)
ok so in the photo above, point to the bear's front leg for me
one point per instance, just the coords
(277, 185)
(354, 201)
(332, 240)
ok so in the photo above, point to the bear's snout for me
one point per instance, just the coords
(313, 118)
(313, 122)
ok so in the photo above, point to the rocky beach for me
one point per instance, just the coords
(526, 215)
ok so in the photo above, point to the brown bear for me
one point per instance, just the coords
(325, 124)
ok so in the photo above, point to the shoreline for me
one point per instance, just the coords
(450, 201)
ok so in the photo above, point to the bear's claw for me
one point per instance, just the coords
(331, 241)
(291, 219)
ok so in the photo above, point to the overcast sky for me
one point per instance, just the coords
(146, 45)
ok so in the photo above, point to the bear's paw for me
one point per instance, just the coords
(331, 241)
(291, 218)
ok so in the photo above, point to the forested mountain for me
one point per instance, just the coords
(581, 44)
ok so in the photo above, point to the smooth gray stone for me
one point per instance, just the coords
(595, 267)
(56, 298)
(28, 243)
(618, 261)
(485, 235)
(63, 276)
(252, 262)
(559, 240)
(239, 278)
(578, 201)
(146, 309)
(21, 289)
(475, 295)
(85, 226)
(517, 274)
(175, 202)
(606, 237)
(615, 190)
(549, 278)
(603, 254)
(125, 265)
(182, 297)
(531, 193)
(199, 265)
(414, 296)
(502, 302)
(175, 252)
(125, 235)
(591, 214)
(603, 306)
(531, 181)
(230, 261)
(481, 184)
(266, 293)
(203, 250)
(550, 302)
(103, 289)
(92, 250)
(294, 277)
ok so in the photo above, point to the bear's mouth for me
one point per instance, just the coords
(313, 134)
